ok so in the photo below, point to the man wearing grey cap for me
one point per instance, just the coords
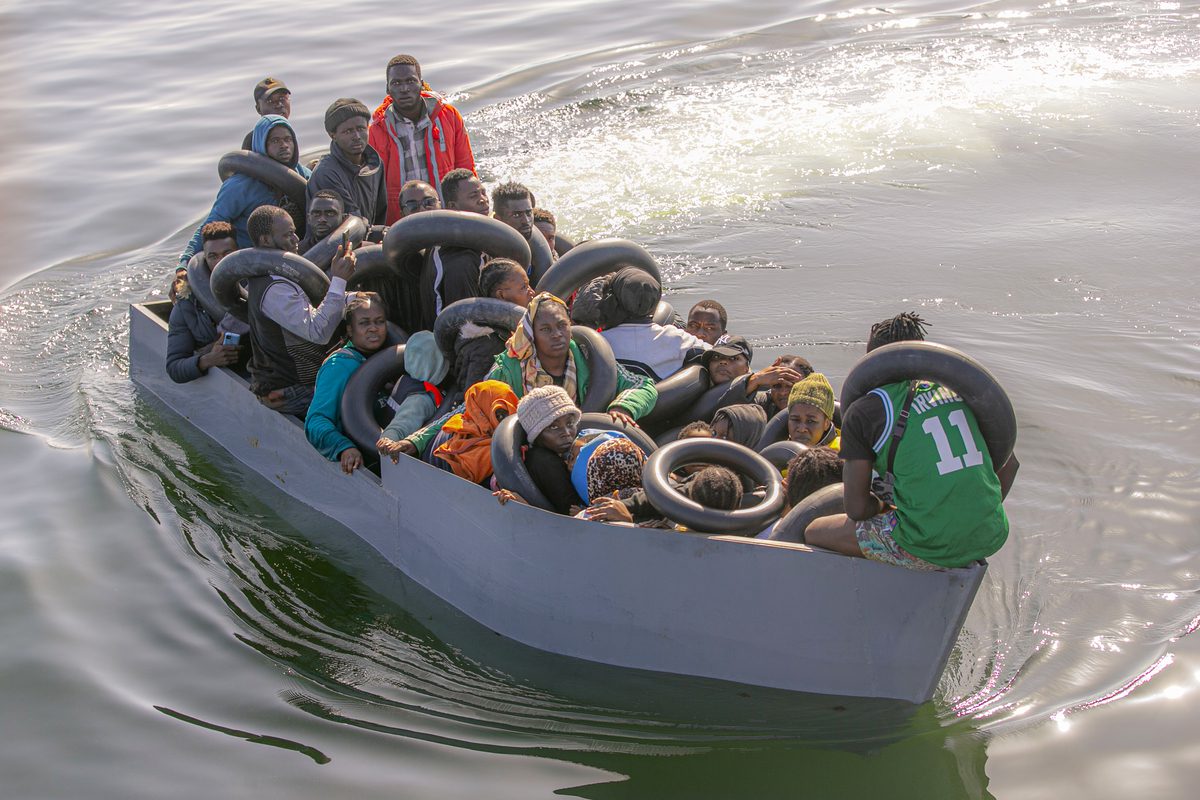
(271, 96)
(352, 168)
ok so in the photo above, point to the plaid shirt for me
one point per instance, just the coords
(410, 143)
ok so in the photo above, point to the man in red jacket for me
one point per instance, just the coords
(418, 136)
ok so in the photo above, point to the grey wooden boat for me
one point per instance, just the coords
(751, 611)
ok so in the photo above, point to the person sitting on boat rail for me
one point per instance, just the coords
(325, 213)
(810, 413)
(289, 336)
(638, 342)
(947, 509)
(271, 96)
(476, 346)
(240, 194)
(707, 321)
(541, 352)
(418, 394)
(366, 328)
(353, 168)
(416, 133)
(192, 346)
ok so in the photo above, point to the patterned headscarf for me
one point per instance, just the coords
(469, 450)
(520, 346)
(615, 466)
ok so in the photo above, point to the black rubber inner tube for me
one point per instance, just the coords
(368, 261)
(676, 393)
(664, 313)
(602, 368)
(254, 262)
(603, 422)
(199, 282)
(948, 367)
(679, 508)
(541, 257)
(562, 245)
(451, 229)
(824, 502)
(322, 252)
(268, 170)
(593, 259)
(486, 311)
(358, 398)
(781, 453)
(508, 462)
(706, 405)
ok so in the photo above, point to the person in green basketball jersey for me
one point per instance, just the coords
(946, 507)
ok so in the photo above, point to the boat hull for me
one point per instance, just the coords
(764, 613)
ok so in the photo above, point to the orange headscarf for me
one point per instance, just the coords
(469, 449)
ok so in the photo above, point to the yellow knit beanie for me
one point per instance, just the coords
(814, 390)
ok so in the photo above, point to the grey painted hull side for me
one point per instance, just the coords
(751, 611)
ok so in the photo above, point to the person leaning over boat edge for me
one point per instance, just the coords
(288, 335)
(948, 502)
(353, 168)
(192, 346)
(366, 330)
(240, 195)
(417, 134)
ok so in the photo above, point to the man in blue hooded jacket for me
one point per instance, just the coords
(239, 195)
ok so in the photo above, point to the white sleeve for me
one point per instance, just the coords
(285, 303)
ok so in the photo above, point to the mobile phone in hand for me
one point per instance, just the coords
(231, 339)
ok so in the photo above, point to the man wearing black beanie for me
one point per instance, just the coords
(352, 168)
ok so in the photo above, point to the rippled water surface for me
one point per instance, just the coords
(1022, 174)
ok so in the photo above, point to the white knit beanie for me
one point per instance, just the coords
(538, 409)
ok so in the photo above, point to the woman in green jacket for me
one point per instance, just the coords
(541, 353)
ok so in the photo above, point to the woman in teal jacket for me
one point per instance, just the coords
(367, 327)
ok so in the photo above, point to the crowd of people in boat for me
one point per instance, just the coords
(941, 503)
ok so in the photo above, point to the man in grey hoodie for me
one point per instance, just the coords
(352, 168)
